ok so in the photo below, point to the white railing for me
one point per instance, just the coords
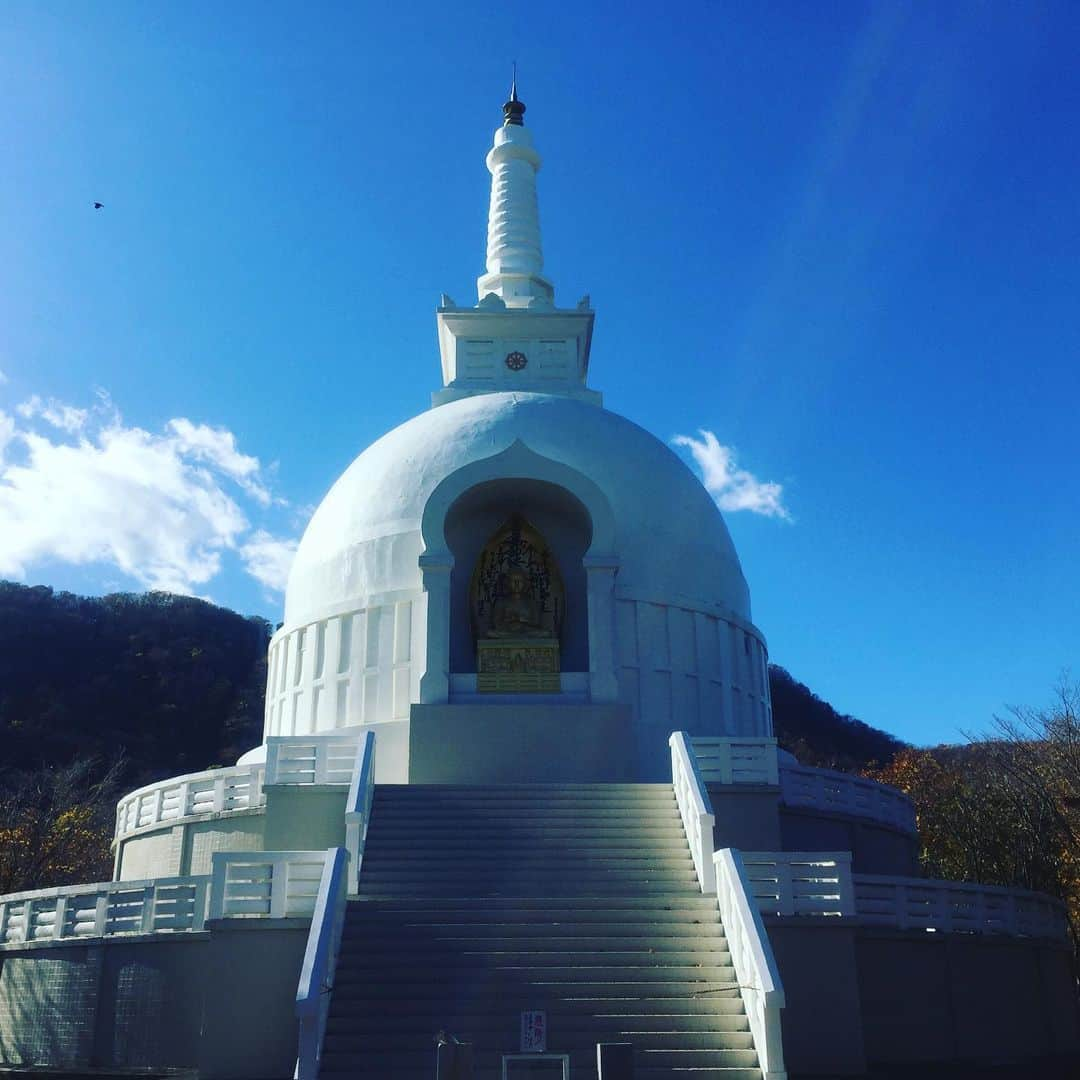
(358, 808)
(114, 907)
(797, 883)
(953, 906)
(736, 761)
(274, 884)
(320, 962)
(311, 759)
(237, 788)
(753, 960)
(842, 793)
(694, 807)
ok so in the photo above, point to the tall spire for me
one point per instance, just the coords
(515, 338)
(515, 257)
(513, 110)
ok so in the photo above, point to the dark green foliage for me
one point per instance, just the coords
(817, 734)
(172, 683)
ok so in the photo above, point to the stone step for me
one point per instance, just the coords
(480, 869)
(653, 1002)
(556, 984)
(581, 1069)
(451, 944)
(413, 793)
(522, 814)
(395, 1063)
(392, 930)
(684, 909)
(472, 1023)
(481, 892)
(564, 1038)
(428, 954)
(570, 840)
(689, 900)
(488, 861)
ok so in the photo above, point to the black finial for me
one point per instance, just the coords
(513, 110)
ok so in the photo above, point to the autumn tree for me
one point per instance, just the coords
(56, 825)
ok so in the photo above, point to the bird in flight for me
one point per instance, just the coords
(98, 205)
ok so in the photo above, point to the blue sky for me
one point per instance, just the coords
(844, 238)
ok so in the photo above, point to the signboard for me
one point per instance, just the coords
(533, 1032)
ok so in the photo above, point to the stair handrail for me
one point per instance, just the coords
(695, 807)
(358, 807)
(753, 960)
(320, 963)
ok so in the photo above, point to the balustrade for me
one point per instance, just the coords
(101, 910)
(838, 792)
(736, 761)
(236, 788)
(274, 884)
(311, 759)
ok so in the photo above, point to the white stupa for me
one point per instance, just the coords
(518, 788)
(656, 614)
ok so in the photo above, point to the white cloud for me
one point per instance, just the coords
(268, 558)
(65, 417)
(732, 488)
(89, 489)
(7, 433)
(217, 447)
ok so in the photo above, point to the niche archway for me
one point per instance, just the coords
(566, 527)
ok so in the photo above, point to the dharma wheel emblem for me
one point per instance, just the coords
(515, 361)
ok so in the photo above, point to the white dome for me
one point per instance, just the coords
(365, 538)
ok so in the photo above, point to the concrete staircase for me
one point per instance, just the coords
(479, 902)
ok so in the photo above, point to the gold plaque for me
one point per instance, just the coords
(517, 666)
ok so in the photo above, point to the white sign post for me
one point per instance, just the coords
(533, 1032)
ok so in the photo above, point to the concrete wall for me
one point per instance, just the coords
(220, 1001)
(505, 744)
(186, 846)
(822, 1018)
(859, 997)
(875, 848)
(305, 817)
(964, 997)
(747, 817)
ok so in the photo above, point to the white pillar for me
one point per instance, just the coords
(436, 569)
(600, 571)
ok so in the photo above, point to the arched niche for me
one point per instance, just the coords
(518, 465)
(556, 516)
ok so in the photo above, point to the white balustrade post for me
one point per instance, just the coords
(436, 568)
(60, 926)
(600, 572)
(218, 881)
(321, 764)
(146, 920)
(200, 899)
(101, 914)
(256, 795)
(279, 888)
(219, 794)
(273, 757)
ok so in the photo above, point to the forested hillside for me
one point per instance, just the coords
(174, 683)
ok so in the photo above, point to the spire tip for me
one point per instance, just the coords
(513, 110)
